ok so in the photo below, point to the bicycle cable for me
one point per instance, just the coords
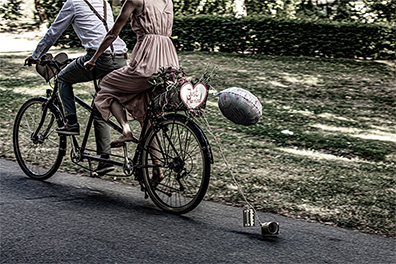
(230, 169)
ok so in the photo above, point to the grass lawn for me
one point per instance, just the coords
(337, 167)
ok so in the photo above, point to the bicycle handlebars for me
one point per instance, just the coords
(57, 64)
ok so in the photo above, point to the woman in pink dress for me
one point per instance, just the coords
(126, 88)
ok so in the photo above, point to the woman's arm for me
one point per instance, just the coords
(127, 9)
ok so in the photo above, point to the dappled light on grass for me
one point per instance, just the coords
(360, 133)
(345, 130)
(337, 166)
(277, 84)
(384, 128)
(318, 155)
(304, 112)
(33, 91)
(331, 116)
(298, 79)
(318, 210)
(378, 136)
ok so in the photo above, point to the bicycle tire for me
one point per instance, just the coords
(183, 154)
(38, 156)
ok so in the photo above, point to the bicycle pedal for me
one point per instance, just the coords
(118, 145)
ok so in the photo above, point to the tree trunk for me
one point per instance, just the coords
(116, 2)
(40, 11)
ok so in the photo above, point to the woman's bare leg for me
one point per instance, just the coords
(118, 111)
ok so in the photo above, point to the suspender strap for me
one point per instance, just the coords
(101, 18)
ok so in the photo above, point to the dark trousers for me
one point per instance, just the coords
(76, 73)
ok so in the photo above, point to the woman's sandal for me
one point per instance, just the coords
(158, 176)
(119, 142)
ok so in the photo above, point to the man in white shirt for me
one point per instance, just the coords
(91, 20)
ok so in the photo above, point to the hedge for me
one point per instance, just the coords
(272, 36)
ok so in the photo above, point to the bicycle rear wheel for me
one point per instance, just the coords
(178, 147)
(37, 147)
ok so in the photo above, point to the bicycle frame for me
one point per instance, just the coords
(54, 104)
(80, 149)
(171, 160)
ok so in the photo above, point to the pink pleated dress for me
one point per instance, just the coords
(153, 50)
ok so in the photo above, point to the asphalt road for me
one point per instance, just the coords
(77, 219)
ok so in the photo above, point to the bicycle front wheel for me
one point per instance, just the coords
(177, 148)
(37, 147)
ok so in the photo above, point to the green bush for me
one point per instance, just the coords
(266, 35)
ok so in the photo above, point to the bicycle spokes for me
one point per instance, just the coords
(39, 151)
(176, 147)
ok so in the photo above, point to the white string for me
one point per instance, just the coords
(230, 170)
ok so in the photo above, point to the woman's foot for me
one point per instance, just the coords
(158, 176)
(119, 142)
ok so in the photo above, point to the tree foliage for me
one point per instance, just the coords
(11, 10)
(366, 11)
(51, 9)
(273, 27)
(382, 10)
(196, 7)
(40, 11)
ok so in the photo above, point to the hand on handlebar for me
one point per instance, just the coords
(29, 61)
(89, 65)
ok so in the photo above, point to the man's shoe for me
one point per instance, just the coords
(104, 168)
(68, 129)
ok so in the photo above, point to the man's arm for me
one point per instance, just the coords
(62, 21)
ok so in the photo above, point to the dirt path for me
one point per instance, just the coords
(26, 41)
